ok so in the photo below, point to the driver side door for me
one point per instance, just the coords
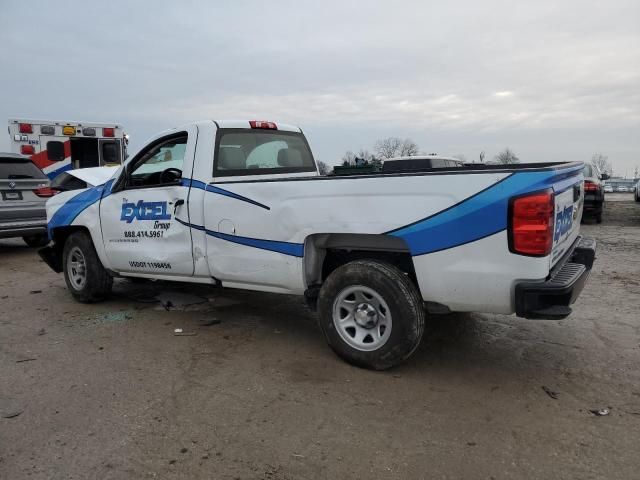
(140, 232)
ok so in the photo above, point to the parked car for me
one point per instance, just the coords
(593, 192)
(623, 188)
(608, 188)
(24, 190)
(636, 191)
(245, 207)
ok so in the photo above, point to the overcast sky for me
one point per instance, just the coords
(555, 80)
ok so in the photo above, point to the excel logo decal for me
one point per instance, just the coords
(564, 220)
(144, 211)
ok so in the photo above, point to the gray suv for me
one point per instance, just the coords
(24, 190)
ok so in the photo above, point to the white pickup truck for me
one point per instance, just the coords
(240, 204)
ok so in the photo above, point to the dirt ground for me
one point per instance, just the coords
(108, 391)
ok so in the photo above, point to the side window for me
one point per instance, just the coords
(259, 152)
(160, 165)
(55, 151)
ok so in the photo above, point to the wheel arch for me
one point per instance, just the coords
(324, 252)
(59, 236)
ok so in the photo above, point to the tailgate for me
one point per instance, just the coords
(18, 202)
(569, 199)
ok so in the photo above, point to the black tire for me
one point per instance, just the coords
(97, 283)
(36, 240)
(404, 304)
(599, 217)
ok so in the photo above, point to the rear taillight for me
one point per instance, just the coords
(263, 124)
(108, 132)
(590, 186)
(45, 192)
(27, 149)
(531, 224)
(25, 128)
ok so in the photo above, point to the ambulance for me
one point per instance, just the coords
(58, 146)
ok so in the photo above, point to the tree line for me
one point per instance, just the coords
(392, 147)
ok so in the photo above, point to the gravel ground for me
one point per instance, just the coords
(108, 391)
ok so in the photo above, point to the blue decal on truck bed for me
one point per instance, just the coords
(479, 216)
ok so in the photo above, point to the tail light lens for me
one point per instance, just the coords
(27, 149)
(590, 186)
(108, 132)
(25, 128)
(45, 192)
(263, 124)
(531, 224)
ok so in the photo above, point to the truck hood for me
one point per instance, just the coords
(95, 175)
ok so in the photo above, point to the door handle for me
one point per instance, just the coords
(177, 204)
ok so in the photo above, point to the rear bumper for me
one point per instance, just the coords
(23, 229)
(552, 299)
(593, 202)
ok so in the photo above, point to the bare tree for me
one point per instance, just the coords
(506, 157)
(388, 147)
(602, 162)
(323, 168)
(349, 158)
(395, 147)
(408, 148)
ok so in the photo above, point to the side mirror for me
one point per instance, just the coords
(605, 176)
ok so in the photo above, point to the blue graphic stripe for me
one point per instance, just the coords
(68, 212)
(54, 173)
(189, 182)
(287, 248)
(481, 215)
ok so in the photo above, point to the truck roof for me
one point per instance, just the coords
(245, 124)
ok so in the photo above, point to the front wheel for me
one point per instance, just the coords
(86, 278)
(371, 314)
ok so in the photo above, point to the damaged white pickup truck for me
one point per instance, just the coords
(240, 204)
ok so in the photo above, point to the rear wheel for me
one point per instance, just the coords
(86, 278)
(371, 314)
(599, 217)
(36, 240)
